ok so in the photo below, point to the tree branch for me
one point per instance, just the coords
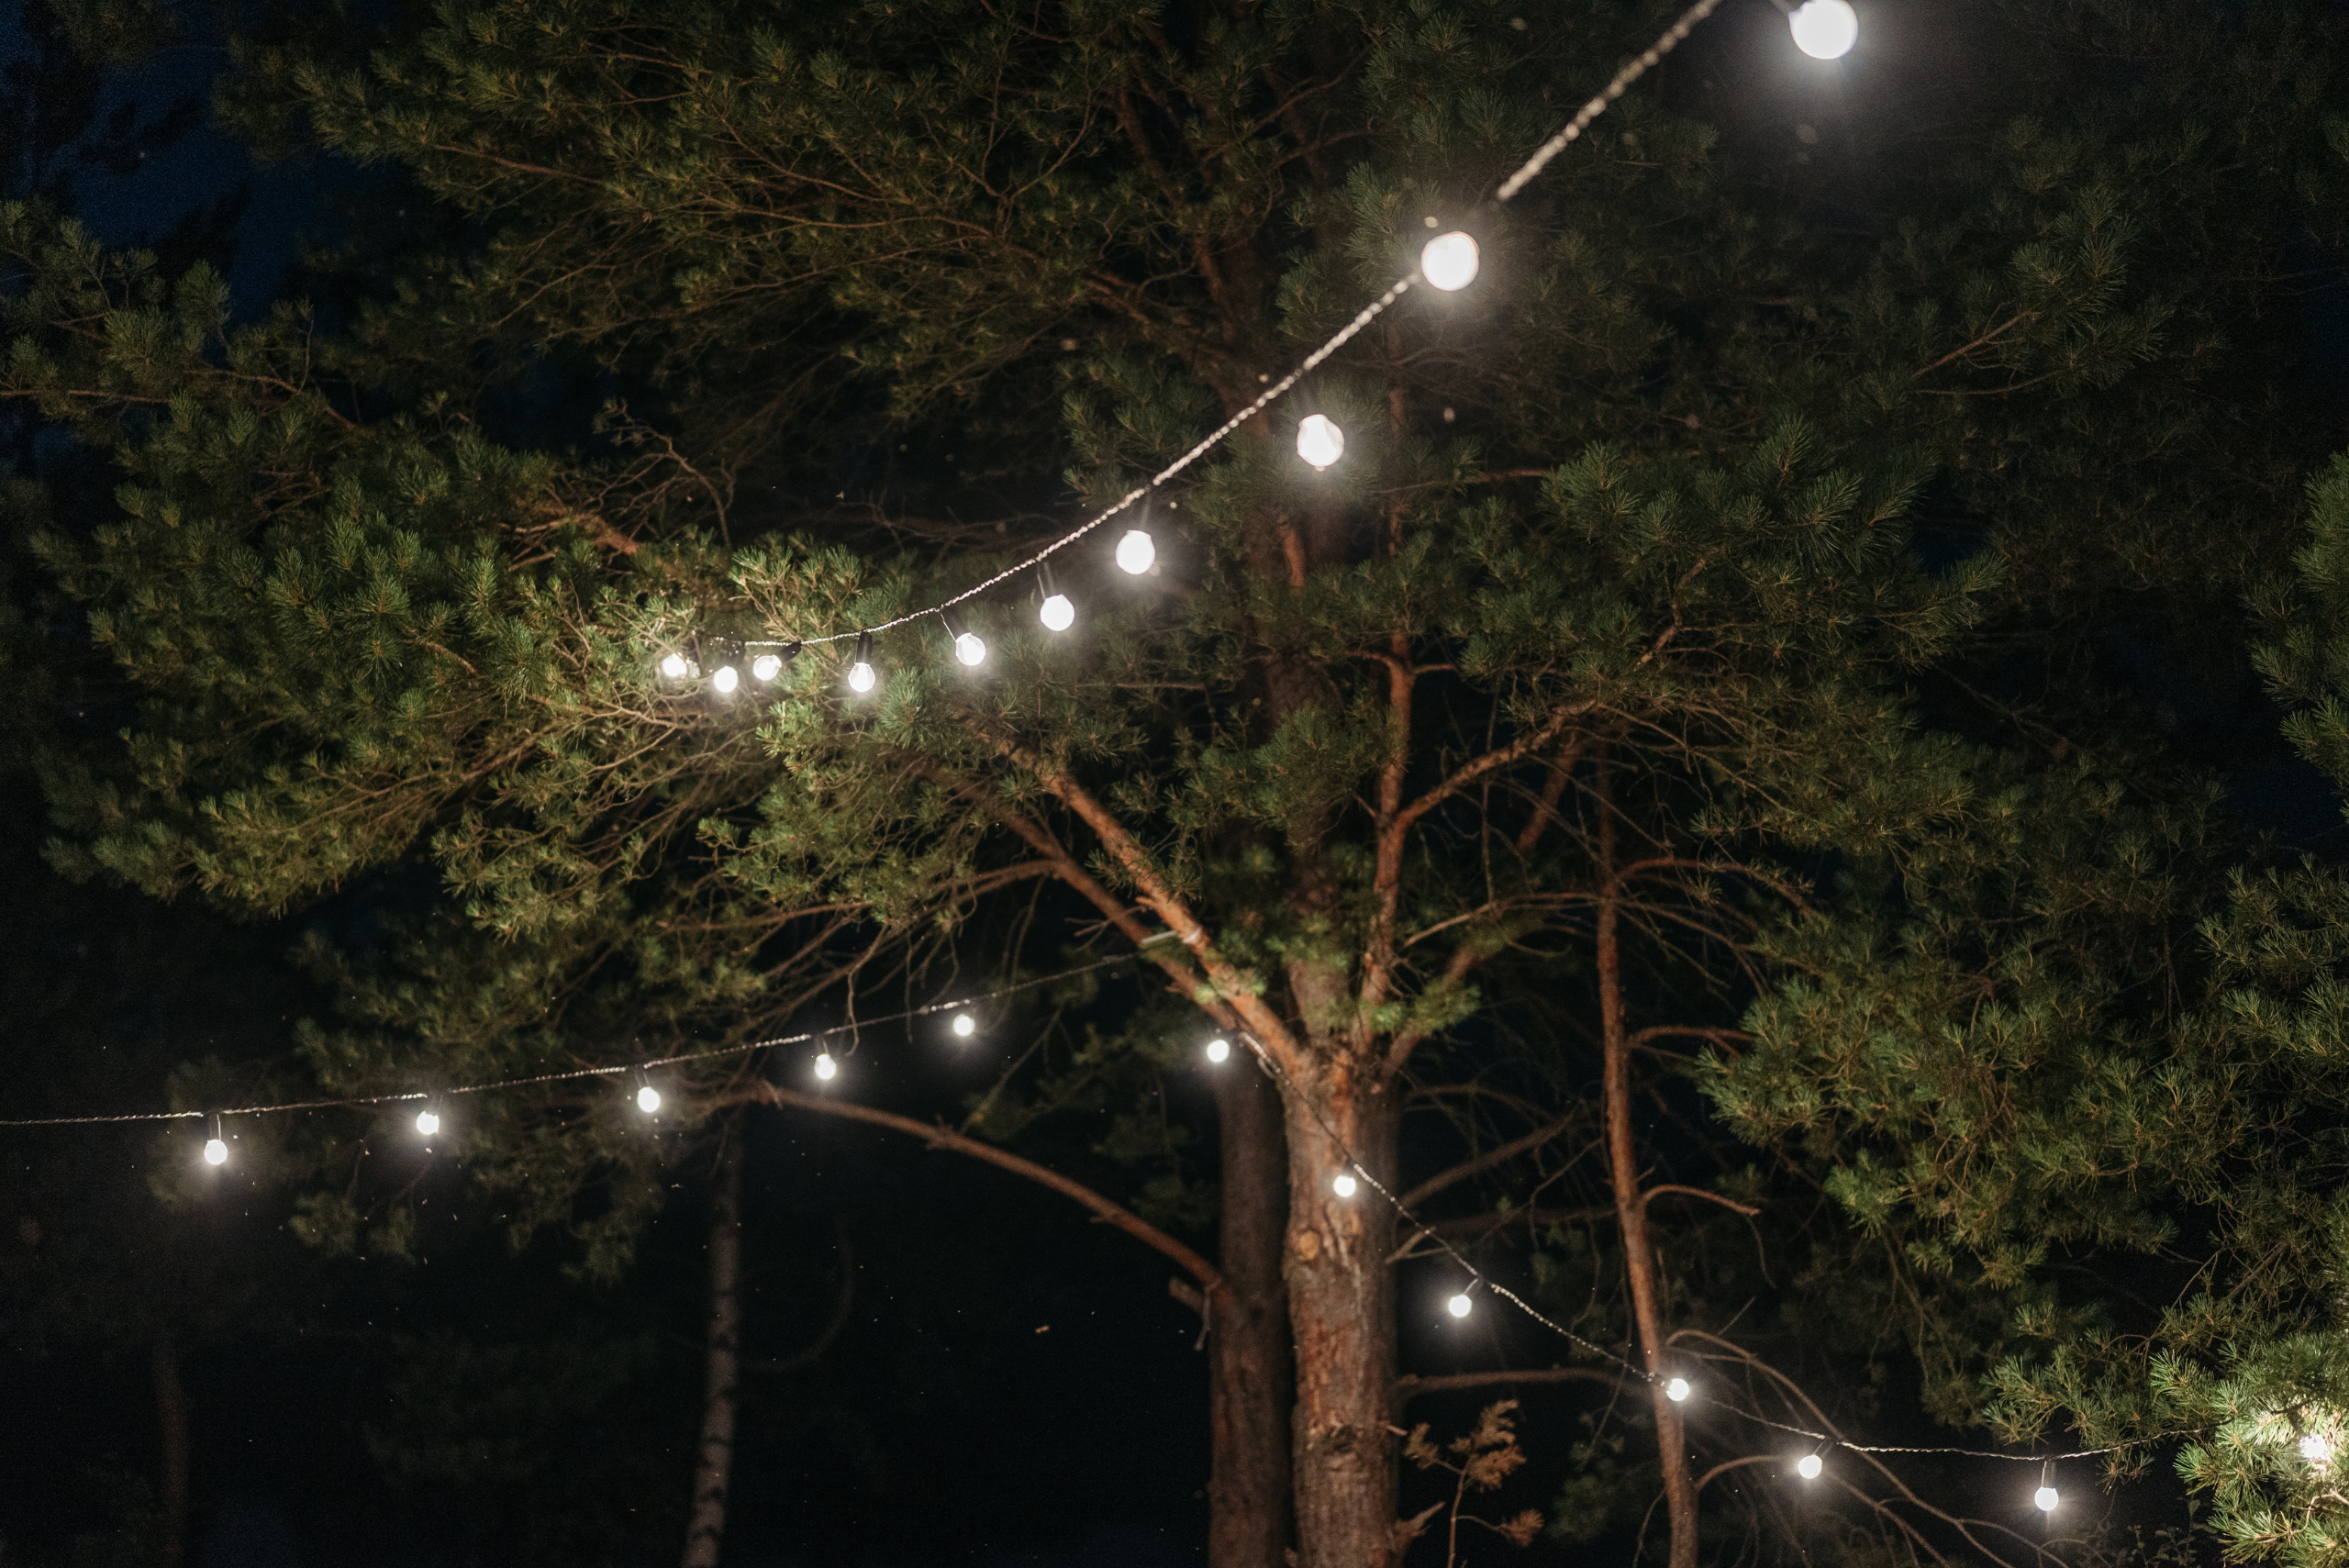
(1484, 1162)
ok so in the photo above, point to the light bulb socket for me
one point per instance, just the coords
(864, 648)
(956, 629)
(1045, 586)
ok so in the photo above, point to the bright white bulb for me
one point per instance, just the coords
(674, 666)
(1809, 1467)
(1449, 262)
(1458, 1306)
(648, 1099)
(727, 678)
(1058, 613)
(1676, 1390)
(970, 650)
(426, 1123)
(215, 1151)
(966, 1026)
(2315, 1448)
(1218, 1050)
(1136, 551)
(1825, 29)
(2045, 1499)
(766, 667)
(1320, 441)
(1343, 1184)
(860, 676)
(825, 1066)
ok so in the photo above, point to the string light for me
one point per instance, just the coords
(966, 1026)
(1136, 551)
(215, 1148)
(766, 667)
(2046, 1498)
(1676, 1390)
(2315, 1448)
(826, 1067)
(1809, 1466)
(1824, 29)
(1460, 1306)
(726, 679)
(1343, 1184)
(674, 666)
(1320, 441)
(969, 646)
(428, 1121)
(1219, 1050)
(861, 677)
(648, 1098)
(1449, 262)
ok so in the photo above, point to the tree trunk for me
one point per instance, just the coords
(1249, 1371)
(1631, 1204)
(1342, 1312)
(714, 1467)
(171, 1423)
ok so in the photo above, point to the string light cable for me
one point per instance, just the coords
(1682, 1393)
(637, 1071)
(1448, 264)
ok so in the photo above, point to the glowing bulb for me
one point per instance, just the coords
(825, 1066)
(1320, 441)
(966, 1026)
(2045, 1499)
(1825, 29)
(426, 1123)
(766, 667)
(2315, 1448)
(1136, 551)
(1809, 1466)
(1676, 1390)
(674, 666)
(1058, 613)
(1449, 262)
(1219, 1050)
(860, 676)
(648, 1099)
(215, 1151)
(727, 678)
(970, 650)
(1458, 1306)
(1343, 1184)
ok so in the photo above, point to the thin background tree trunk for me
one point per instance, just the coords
(1631, 1204)
(1249, 1371)
(172, 1424)
(714, 1465)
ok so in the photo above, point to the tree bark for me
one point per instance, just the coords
(714, 1465)
(1631, 1205)
(1341, 1313)
(1248, 1372)
(172, 1425)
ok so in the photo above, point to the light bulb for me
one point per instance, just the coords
(727, 678)
(1824, 29)
(860, 676)
(971, 649)
(2315, 1448)
(1458, 1306)
(1676, 1390)
(825, 1065)
(215, 1151)
(2045, 1499)
(766, 667)
(1809, 1466)
(966, 1026)
(1136, 551)
(426, 1123)
(1343, 1184)
(1058, 613)
(1320, 441)
(1449, 262)
(1218, 1050)
(674, 666)
(648, 1099)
